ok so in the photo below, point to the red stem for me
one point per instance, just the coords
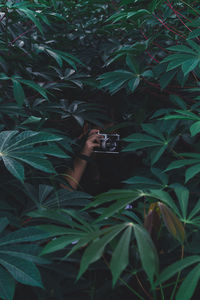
(163, 23)
(152, 57)
(156, 44)
(22, 34)
(178, 16)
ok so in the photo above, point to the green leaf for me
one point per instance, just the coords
(52, 150)
(195, 33)
(23, 271)
(132, 63)
(29, 234)
(133, 83)
(181, 163)
(59, 244)
(147, 252)
(157, 153)
(36, 162)
(189, 65)
(143, 181)
(181, 48)
(14, 167)
(95, 250)
(18, 92)
(27, 252)
(124, 194)
(153, 130)
(31, 15)
(176, 267)
(7, 285)
(178, 101)
(194, 45)
(189, 284)
(191, 172)
(55, 56)
(195, 128)
(194, 211)
(182, 194)
(166, 78)
(116, 207)
(34, 86)
(120, 256)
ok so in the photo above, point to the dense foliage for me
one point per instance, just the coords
(61, 64)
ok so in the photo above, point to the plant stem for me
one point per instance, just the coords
(162, 293)
(124, 282)
(132, 290)
(149, 296)
(178, 276)
(190, 7)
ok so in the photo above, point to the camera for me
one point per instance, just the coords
(109, 143)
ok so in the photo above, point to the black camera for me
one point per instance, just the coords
(109, 143)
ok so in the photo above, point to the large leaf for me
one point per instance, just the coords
(95, 250)
(147, 252)
(177, 267)
(189, 284)
(120, 256)
(29, 234)
(23, 271)
(17, 148)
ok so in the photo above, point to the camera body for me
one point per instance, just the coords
(109, 143)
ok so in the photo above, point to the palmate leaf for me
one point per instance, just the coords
(186, 57)
(121, 203)
(143, 141)
(18, 259)
(116, 80)
(125, 195)
(95, 250)
(17, 148)
(192, 159)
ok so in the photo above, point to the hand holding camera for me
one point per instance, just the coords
(101, 143)
(92, 142)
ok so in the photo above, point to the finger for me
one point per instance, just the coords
(93, 131)
(95, 145)
(95, 137)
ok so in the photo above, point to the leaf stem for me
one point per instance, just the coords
(132, 290)
(144, 290)
(124, 282)
(178, 276)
